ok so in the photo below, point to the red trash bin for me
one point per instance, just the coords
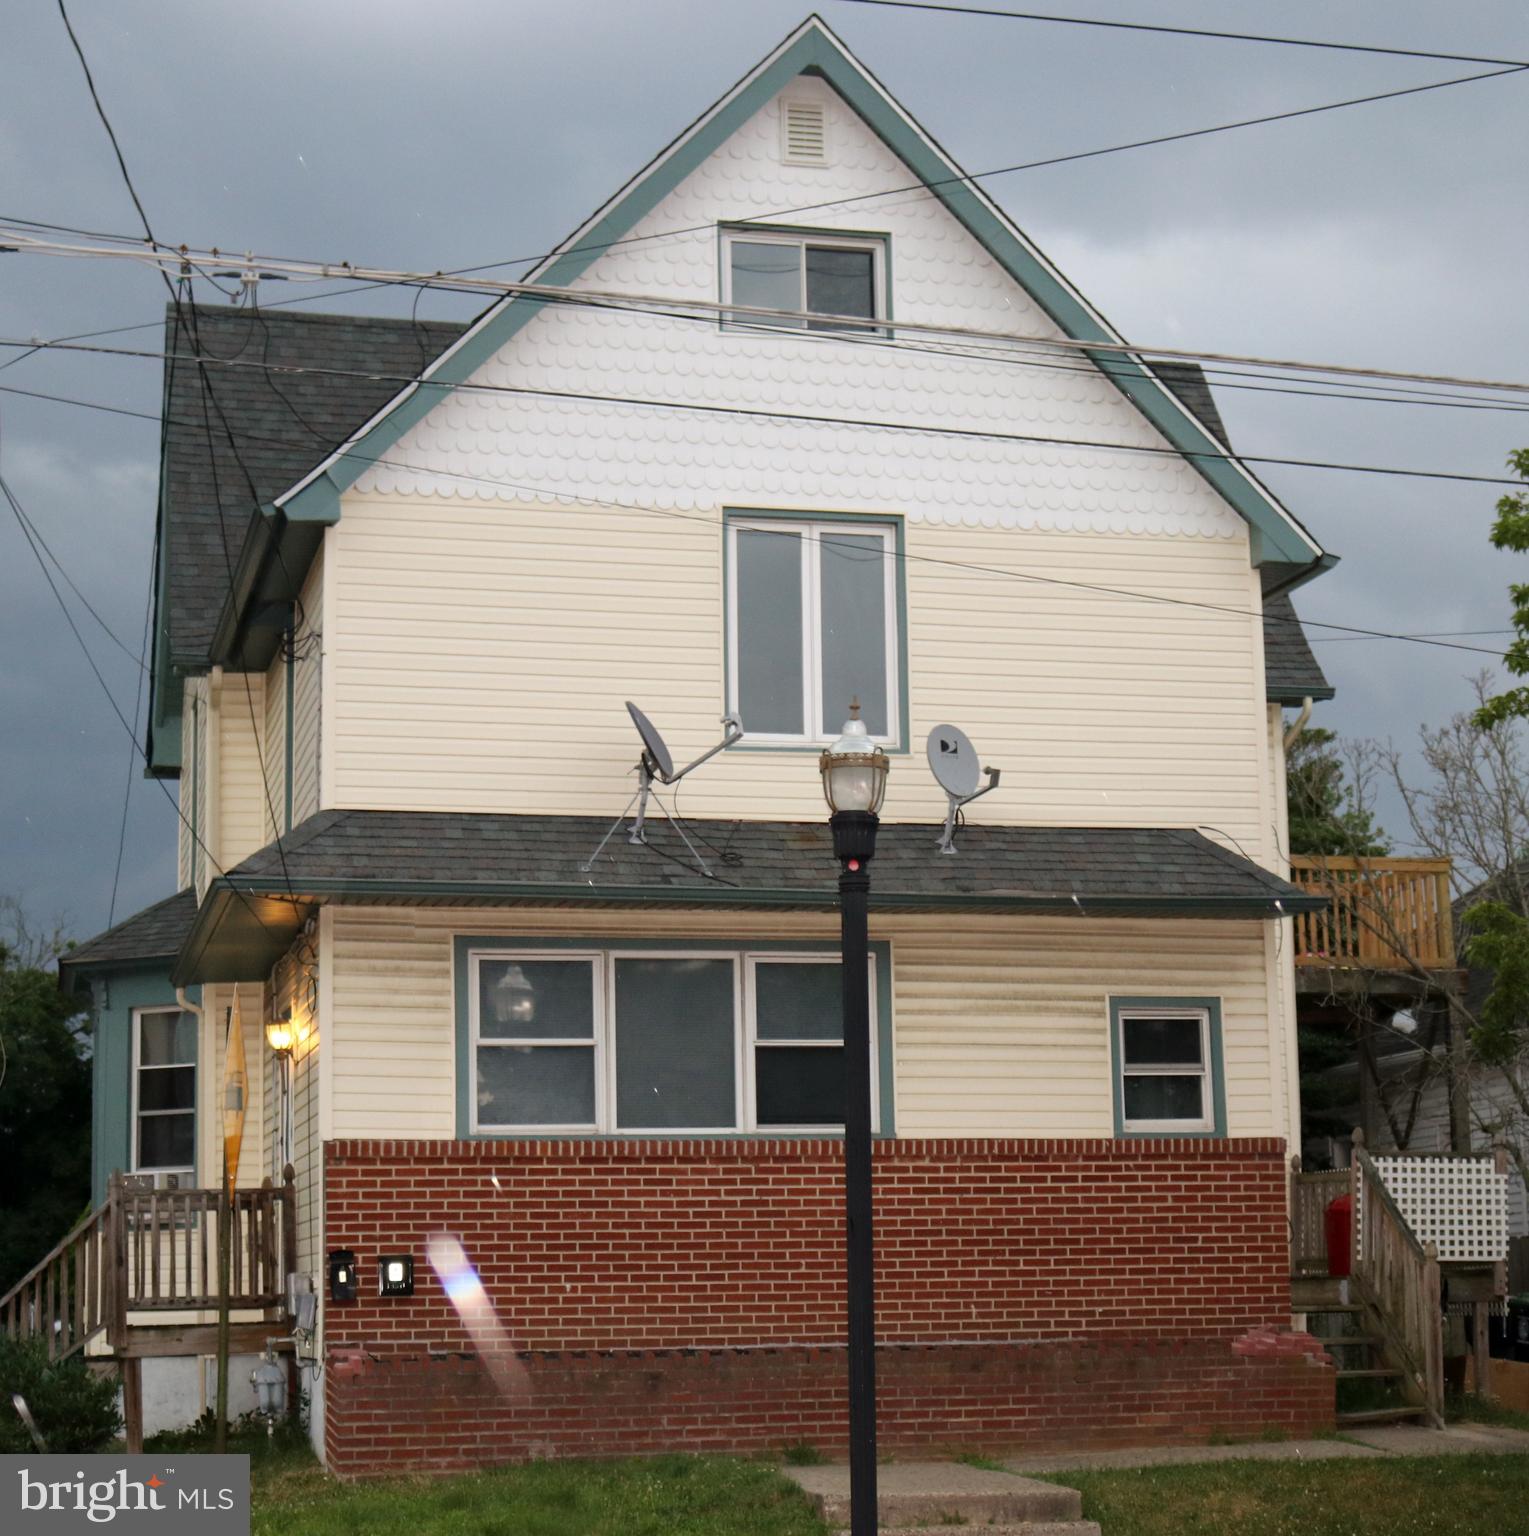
(1339, 1222)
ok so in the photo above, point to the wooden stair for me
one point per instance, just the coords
(141, 1267)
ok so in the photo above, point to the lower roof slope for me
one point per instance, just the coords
(156, 933)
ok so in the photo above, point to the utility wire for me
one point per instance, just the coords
(1142, 26)
(805, 418)
(206, 393)
(579, 499)
(921, 188)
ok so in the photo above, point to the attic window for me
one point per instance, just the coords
(803, 133)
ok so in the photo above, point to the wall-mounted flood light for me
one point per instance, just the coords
(342, 1275)
(395, 1274)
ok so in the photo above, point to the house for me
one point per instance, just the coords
(402, 603)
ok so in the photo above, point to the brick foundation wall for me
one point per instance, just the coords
(663, 1294)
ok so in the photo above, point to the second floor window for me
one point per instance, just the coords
(819, 274)
(812, 624)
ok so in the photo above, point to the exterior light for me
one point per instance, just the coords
(854, 771)
(281, 1035)
(854, 768)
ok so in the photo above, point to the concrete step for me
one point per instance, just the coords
(935, 1493)
(1030, 1528)
(1382, 1415)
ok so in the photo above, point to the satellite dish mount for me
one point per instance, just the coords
(953, 761)
(656, 766)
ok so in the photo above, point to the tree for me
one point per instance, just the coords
(1511, 532)
(44, 1098)
(1328, 805)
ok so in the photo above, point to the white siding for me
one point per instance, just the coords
(276, 747)
(1000, 1025)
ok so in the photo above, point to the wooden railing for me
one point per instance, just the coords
(1399, 1279)
(155, 1250)
(1310, 1195)
(1382, 914)
(66, 1298)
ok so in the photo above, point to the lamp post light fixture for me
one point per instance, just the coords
(281, 1034)
(854, 773)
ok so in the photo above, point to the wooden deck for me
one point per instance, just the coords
(1383, 914)
(140, 1274)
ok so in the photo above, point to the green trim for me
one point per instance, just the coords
(813, 48)
(115, 994)
(898, 524)
(1212, 1006)
(463, 944)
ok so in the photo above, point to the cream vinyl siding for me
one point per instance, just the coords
(481, 655)
(1000, 1026)
(241, 802)
(276, 747)
(308, 669)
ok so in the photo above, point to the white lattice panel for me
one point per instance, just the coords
(1460, 1204)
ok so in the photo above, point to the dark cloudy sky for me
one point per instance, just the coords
(444, 135)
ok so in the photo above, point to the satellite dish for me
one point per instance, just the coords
(954, 762)
(656, 766)
(652, 744)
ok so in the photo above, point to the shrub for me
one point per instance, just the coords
(75, 1409)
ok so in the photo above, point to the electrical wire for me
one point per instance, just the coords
(579, 499)
(950, 8)
(1194, 456)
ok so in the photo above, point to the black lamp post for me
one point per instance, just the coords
(854, 773)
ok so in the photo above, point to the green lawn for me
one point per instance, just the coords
(667, 1496)
(1402, 1496)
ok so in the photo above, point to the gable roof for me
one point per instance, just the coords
(281, 424)
(467, 858)
(156, 933)
(814, 49)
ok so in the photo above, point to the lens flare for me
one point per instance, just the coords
(460, 1281)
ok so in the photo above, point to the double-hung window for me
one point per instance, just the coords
(1165, 1053)
(164, 1091)
(807, 274)
(656, 1040)
(812, 626)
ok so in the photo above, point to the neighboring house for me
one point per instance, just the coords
(395, 634)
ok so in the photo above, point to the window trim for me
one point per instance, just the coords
(878, 244)
(468, 949)
(1213, 1124)
(896, 605)
(137, 1016)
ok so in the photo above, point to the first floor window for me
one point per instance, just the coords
(164, 1090)
(1165, 1068)
(812, 627)
(616, 1040)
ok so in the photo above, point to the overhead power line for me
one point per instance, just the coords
(1206, 32)
(578, 498)
(807, 418)
(668, 303)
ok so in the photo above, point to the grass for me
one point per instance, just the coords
(665, 1496)
(1394, 1496)
(1483, 1410)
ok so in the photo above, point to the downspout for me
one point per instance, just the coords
(1296, 726)
(185, 1003)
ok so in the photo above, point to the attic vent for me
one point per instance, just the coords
(803, 133)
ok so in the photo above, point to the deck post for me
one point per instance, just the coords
(131, 1369)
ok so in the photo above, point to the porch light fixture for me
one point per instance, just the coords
(281, 1034)
(854, 771)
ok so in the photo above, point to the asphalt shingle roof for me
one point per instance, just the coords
(153, 934)
(1098, 867)
(283, 423)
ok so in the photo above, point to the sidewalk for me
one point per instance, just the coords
(1378, 1440)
